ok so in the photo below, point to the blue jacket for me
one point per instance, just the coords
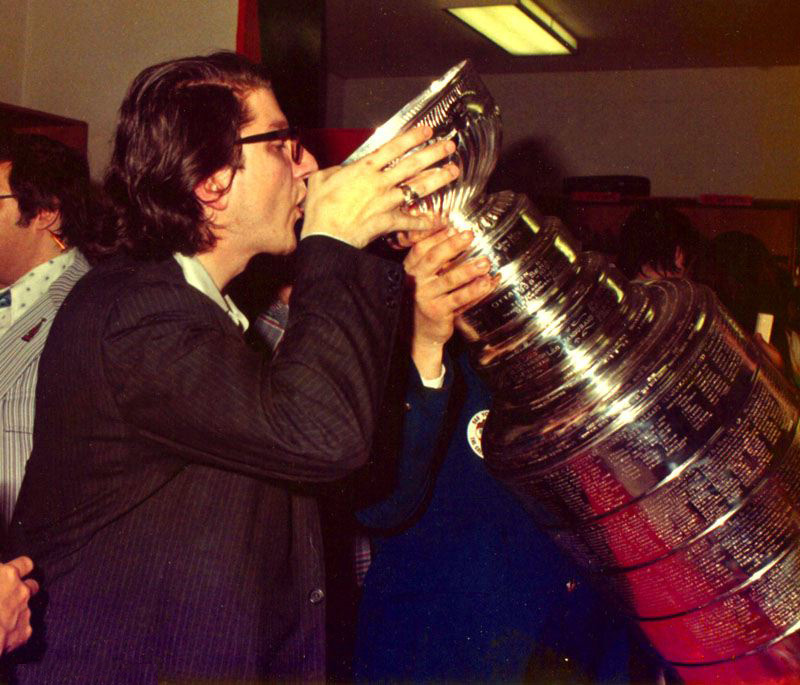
(472, 590)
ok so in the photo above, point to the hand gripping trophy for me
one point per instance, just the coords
(637, 422)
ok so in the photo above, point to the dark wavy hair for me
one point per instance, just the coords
(746, 277)
(47, 175)
(650, 234)
(177, 126)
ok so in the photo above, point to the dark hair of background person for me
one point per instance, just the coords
(650, 235)
(47, 175)
(747, 279)
(177, 126)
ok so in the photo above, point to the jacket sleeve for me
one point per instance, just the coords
(181, 374)
(417, 458)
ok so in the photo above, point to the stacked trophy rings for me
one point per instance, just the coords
(636, 422)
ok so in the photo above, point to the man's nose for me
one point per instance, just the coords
(306, 165)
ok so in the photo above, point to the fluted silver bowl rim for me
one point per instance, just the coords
(414, 109)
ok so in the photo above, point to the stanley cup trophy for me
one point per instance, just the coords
(637, 422)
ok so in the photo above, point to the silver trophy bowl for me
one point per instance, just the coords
(636, 422)
(457, 107)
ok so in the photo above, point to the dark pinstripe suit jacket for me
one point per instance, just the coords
(166, 501)
(20, 348)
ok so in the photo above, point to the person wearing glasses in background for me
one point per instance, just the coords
(169, 500)
(44, 207)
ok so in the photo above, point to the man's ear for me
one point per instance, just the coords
(47, 220)
(213, 191)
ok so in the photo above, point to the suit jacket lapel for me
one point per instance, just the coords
(25, 339)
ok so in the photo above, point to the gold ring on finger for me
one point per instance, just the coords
(410, 196)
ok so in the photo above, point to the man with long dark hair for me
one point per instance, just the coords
(168, 501)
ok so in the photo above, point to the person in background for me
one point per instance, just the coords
(169, 501)
(748, 280)
(463, 585)
(44, 210)
(657, 241)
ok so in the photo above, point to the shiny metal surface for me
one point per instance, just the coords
(457, 106)
(641, 426)
(637, 423)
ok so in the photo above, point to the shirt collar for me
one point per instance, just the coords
(197, 276)
(28, 289)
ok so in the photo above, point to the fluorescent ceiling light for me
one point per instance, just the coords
(520, 27)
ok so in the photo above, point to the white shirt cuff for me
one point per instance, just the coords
(434, 383)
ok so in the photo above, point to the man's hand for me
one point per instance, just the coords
(15, 591)
(441, 291)
(364, 200)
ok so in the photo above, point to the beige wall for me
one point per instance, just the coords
(691, 131)
(734, 131)
(13, 29)
(81, 55)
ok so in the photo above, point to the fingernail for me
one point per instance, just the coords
(465, 236)
(450, 146)
(428, 131)
(483, 264)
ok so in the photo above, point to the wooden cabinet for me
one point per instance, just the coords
(71, 132)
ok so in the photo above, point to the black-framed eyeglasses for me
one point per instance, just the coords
(291, 134)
